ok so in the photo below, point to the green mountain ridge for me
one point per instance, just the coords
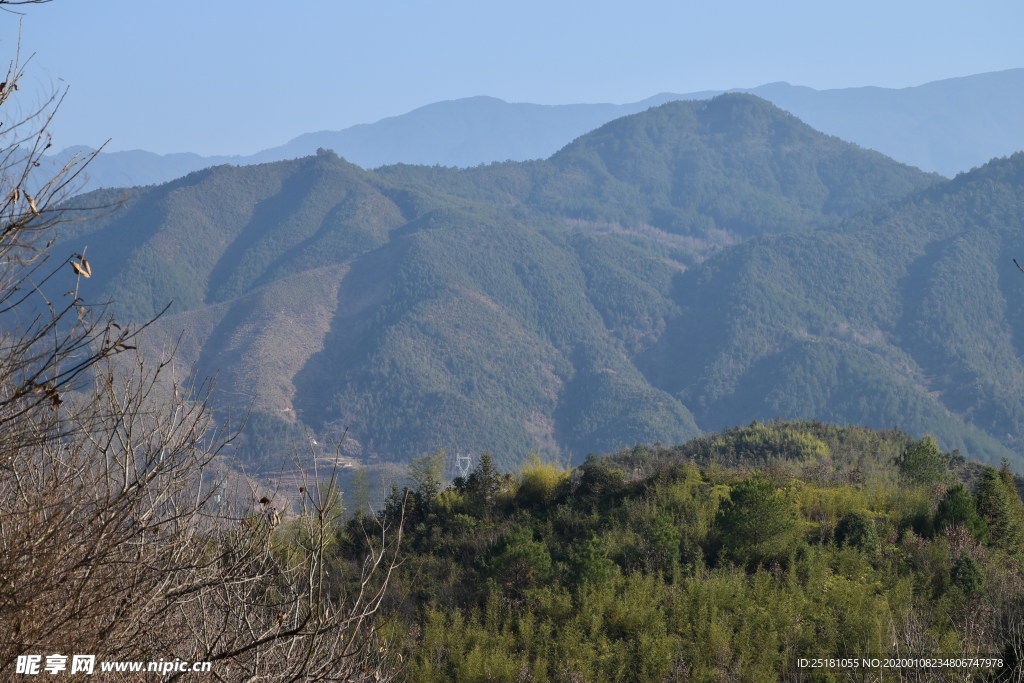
(903, 313)
(659, 277)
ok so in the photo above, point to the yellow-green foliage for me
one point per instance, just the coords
(714, 573)
(538, 480)
(450, 501)
(767, 441)
(827, 505)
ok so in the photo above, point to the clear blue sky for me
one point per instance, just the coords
(227, 76)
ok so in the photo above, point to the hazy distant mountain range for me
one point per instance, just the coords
(947, 126)
(697, 265)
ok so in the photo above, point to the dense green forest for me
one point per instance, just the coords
(728, 558)
(698, 265)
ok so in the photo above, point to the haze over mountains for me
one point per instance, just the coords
(694, 266)
(946, 126)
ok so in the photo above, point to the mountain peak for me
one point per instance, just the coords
(666, 165)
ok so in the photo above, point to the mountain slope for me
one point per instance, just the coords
(509, 307)
(910, 315)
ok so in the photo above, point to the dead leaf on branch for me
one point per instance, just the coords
(83, 268)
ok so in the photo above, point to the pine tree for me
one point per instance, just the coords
(757, 523)
(958, 507)
(483, 484)
(1001, 510)
(923, 463)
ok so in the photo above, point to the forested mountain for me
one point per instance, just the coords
(945, 126)
(910, 315)
(693, 266)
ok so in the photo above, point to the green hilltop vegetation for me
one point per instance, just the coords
(693, 266)
(729, 557)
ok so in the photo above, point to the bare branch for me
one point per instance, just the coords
(121, 534)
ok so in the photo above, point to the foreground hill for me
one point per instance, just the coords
(562, 305)
(731, 558)
(945, 126)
